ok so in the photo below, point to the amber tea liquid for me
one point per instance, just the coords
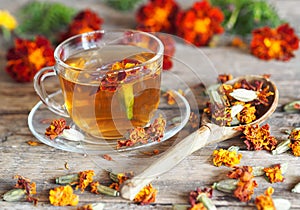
(103, 112)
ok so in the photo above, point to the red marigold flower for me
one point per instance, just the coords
(27, 57)
(157, 15)
(198, 24)
(84, 21)
(276, 43)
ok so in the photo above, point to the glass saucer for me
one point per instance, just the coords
(40, 117)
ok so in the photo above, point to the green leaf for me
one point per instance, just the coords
(44, 18)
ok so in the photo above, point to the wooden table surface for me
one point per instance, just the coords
(43, 163)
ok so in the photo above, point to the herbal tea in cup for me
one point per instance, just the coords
(110, 81)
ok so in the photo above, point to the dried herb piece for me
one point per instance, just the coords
(200, 23)
(146, 195)
(292, 107)
(93, 206)
(282, 147)
(107, 157)
(56, 128)
(295, 141)
(119, 179)
(226, 185)
(81, 179)
(265, 201)
(169, 95)
(63, 196)
(101, 189)
(229, 157)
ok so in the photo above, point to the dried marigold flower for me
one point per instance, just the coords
(119, 179)
(245, 188)
(7, 20)
(169, 95)
(84, 21)
(63, 196)
(276, 43)
(258, 138)
(101, 189)
(85, 178)
(27, 57)
(194, 120)
(295, 146)
(274, 173)
(198, 24)
(146, 195)
(157, 16)
(226, 157)
(265, 201)
(56, 128)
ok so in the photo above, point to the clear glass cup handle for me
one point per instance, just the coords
(39, 87)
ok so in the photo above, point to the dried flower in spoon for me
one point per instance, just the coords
(239, 103)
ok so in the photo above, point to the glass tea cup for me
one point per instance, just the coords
(110, 81)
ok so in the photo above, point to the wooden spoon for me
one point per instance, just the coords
(208, 133)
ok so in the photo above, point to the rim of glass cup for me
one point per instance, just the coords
(158, 54)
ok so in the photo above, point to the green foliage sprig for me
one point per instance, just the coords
(44, 18)
(123, 5)
(242, 16)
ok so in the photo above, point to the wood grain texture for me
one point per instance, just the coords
(43, 163)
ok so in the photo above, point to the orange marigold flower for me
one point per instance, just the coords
(27, 57)
(226, 157)
(198, 24)
(157, 16)
(258, 138)
(146, 195)
(84, 21)
(222, 78)
(170, 96)
(193, 198)
(56, 128)
(265, 202)
(63, 196)
(274, 173)
(238, 172)
(276, 43)
(85, 178)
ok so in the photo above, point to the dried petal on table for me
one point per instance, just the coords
(295, 141)
(200, 199)
(85, 178)
(102, 189)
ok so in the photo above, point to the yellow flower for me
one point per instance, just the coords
(228, 158)
(63, 196)
(7, 20)
(85, 178)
